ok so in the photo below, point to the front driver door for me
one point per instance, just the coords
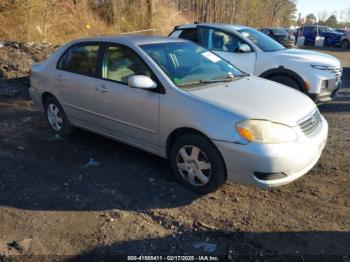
(227, 46)
(128, 114)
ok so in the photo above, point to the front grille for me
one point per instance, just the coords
(311, 123)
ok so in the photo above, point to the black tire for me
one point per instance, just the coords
(345, 44)
(328, 42)
(288, 81)
(66, 128)
(212, 155)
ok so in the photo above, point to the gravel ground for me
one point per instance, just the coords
(53, 203)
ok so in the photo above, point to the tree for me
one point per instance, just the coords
(332, 21)
(150, 11)
(310, 19)
(322, 16)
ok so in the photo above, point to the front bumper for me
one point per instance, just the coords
(293, 160)
(324, 84)
(326, 94)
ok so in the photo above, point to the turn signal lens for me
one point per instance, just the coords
(245, 133)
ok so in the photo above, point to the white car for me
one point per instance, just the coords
(313, 73)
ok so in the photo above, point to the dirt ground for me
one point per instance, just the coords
(53, 204)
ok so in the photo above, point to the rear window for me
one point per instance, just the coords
(190, 34)
(80, 59)
(279, 31)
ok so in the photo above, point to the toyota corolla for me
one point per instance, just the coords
(180, 101)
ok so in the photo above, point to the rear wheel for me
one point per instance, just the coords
(288, 81)
(57, 118)
(345, 44)
(197, 163)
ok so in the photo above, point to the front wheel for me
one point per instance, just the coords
(345, 44)
(288, 81)
(197, 163)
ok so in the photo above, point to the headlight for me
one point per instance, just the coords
(323, 67)
(262, 131)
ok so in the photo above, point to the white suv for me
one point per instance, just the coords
(313, 73)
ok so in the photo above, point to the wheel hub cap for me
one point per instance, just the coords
(54, 116)
(193, 165)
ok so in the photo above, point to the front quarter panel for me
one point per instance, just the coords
(179, 109)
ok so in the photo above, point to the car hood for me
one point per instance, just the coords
(306, 56)
(256, 98)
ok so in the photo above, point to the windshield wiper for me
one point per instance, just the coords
(199, 82)
(226, 77)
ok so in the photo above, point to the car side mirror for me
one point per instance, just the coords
(142, 82)
(244, 48)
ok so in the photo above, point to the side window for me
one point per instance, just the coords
(121, 62)
(307, 30)
(217, 40)
(190, 34)
(265, 31)
(80, 59)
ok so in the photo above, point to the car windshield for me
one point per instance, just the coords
(264, 42)
(279, 31)
(189, 65)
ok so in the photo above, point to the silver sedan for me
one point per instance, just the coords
(180, 101)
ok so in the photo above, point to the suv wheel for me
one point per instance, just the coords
(345, 44)
(57, 118)
(288, 81)
(197, 163)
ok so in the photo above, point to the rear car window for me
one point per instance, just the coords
(190, 34)
(279, 31)
(80, 59)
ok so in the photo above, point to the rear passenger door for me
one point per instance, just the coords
(127, 114)
(75, 80)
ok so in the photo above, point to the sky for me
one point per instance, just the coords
(306, 7)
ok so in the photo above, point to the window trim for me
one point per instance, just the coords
(99, 63)
(85, 43)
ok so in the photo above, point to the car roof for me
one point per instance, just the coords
(131, 39)
(216, 25)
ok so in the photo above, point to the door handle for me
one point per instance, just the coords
(103, 89)
(59, 78)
